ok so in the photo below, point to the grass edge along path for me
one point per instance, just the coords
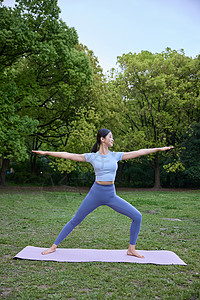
(170, 222)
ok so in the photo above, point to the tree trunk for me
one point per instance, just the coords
(4, 167)
(33, 163)
(157, 173)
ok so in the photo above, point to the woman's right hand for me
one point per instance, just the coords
(39, 152)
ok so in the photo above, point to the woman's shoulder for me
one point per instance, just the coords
(117, 155)
(90, 156)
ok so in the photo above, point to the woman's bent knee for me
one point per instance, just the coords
(137, 218)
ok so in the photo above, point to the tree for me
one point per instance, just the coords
(189, 176)
(38, 56)
(160, 95)
(13, 129)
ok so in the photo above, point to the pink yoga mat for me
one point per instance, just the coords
(158, 257)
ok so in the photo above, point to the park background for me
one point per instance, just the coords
(56, 90)
(55, 96)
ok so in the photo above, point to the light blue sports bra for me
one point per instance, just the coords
(105, 166)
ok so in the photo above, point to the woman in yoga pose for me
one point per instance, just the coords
(103, 190)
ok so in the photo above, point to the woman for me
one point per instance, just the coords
(103, 190)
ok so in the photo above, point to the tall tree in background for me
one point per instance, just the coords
(48, 75)
(160, 95)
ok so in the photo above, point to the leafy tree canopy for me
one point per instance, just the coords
(48, 74)
(160, 95)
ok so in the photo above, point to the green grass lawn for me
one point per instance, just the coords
(36, 218)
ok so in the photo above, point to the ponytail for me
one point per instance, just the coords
(95, 148)
(101, 133)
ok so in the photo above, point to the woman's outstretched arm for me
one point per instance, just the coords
(66, 155)
(134, 154)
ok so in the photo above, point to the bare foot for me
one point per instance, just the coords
(50, 250)
(135, 253)
(131, 251)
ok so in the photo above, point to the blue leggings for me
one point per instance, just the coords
(103, 195)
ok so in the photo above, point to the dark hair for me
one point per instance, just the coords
(101, 133)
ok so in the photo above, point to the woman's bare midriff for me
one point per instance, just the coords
(105, 182)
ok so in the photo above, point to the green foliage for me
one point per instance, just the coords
(13, 128)
(48, 76)
(191, 156)
(80, 140)
(95, 112)
(160, 97)
(54, 95)
(175, 164)
(137, 174)
(33, 28)
(160, 94)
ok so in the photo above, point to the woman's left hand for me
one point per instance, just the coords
(166, 148)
